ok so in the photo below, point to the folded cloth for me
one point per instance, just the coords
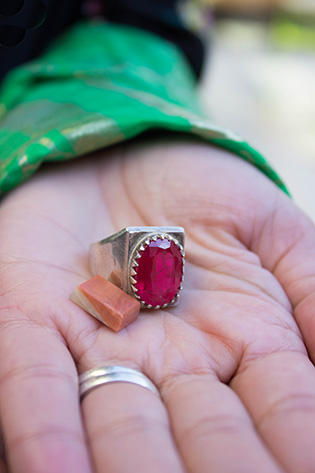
(97, 85)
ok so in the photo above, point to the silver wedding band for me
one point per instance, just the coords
(112, 374)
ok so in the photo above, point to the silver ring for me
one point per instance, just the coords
(112, 374)
(146, 262)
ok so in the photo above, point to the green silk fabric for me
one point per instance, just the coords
(97, 85)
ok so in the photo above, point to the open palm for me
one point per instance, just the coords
(231, 361)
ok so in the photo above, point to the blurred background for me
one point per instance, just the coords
(260, 81)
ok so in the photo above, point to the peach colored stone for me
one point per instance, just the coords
(106, 302)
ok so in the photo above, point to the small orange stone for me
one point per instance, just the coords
(106, 302)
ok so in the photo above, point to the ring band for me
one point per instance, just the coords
(145, 262)
(112, 374)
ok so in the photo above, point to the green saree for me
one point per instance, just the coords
(97, 85)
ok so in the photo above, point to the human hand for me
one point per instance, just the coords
(2, 467)
(236, 383)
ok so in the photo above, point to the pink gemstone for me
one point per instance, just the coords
(159, 273)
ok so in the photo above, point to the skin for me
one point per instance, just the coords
(233, 362)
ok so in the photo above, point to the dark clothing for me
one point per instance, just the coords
(24, 35)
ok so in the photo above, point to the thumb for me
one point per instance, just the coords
(285, 243)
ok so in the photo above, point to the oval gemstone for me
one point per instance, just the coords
(159, 273)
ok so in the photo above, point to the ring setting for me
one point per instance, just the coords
(146, 262)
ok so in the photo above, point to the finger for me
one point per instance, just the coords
(2, 454)
(128, 431)
(39, 405)
(285, 242)
(2, 467)
(212, 428)
(279, 392)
